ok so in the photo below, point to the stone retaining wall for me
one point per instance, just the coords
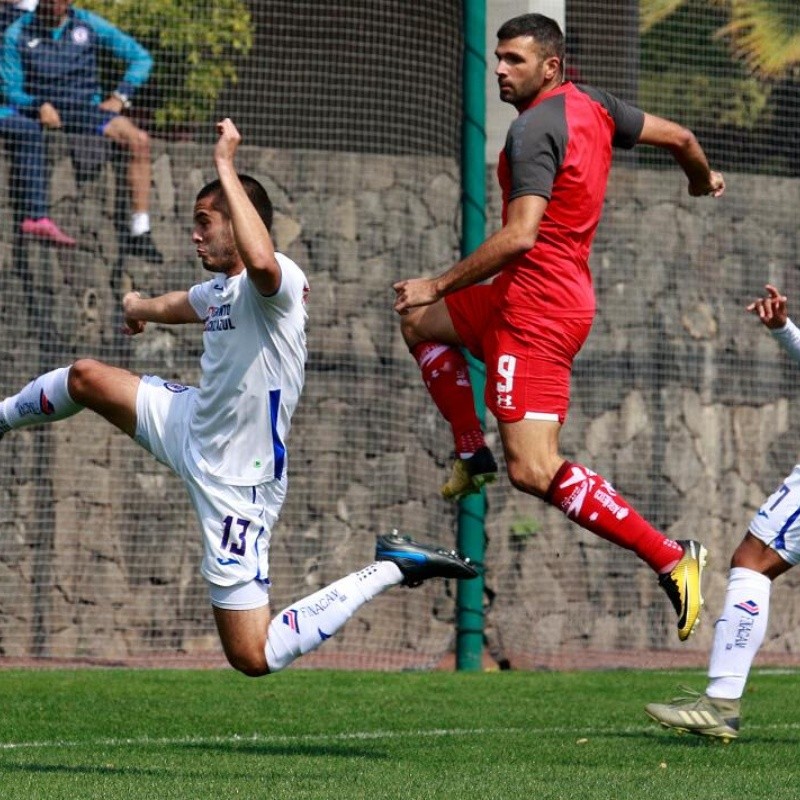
(679, 398)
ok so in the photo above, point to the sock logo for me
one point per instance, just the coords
(749, 607)
(583, 484)
(25, 408)
(45, 405)
(606, 495)
(743, 632)
(289, 619)
(321, 603)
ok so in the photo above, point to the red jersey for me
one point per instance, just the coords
(560, 148)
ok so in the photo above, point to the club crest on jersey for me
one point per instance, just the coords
(80, 34)
(219, 318)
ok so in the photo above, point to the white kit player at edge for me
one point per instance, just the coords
(770, 547)
(226, 438)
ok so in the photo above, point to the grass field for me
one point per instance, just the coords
(124, 734)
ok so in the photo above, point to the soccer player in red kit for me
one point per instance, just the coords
(529, 323)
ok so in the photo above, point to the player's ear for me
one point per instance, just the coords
(552, 67)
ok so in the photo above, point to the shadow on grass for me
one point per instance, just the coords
(678, 740)
(285, 749)
(84, 769)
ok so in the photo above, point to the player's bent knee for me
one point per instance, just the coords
(527, 478)
(142, 141)
(409, 327)
(82, 378)
(253, 667)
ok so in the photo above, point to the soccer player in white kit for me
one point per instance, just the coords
(770, 547)
(227, 437)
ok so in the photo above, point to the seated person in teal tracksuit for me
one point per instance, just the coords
(49, 73)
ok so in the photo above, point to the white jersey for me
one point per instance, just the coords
(253, 363)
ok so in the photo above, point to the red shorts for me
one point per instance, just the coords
(528, 368)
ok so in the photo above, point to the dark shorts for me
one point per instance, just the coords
(85, 120)
(528, 368)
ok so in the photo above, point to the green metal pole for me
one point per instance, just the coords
(472, 509)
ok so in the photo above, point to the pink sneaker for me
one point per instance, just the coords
(45, 228)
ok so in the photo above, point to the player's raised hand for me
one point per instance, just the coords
(228, 142)
(771, 310)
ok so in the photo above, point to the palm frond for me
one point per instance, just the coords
(765, 34)
(651, 12)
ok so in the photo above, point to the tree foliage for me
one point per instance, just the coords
(765, 34)
(729, 70)
(195, 46)
(687, 72)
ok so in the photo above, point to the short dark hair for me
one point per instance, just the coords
(545, 31)
(253, 189)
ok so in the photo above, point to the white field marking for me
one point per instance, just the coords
(326, 738)
(303, 738)
(703, 674)
(777, 671)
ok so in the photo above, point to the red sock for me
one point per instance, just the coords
(446, 374)
(590, 500)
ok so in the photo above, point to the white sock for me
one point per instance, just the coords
(140, 223)
(44, 399)
(738, 633)
(306, 624)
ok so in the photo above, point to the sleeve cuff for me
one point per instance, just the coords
(788, 330)
(789, 338)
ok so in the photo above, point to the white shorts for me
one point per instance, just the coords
(777, 522)
(240, 596)
(236, 521)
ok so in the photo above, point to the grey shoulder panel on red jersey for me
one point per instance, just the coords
(628, 119)
(536, 146)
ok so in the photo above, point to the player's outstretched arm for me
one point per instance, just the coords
(686, 150)
(517, 236)
(172, 308)
(252, 238)
(773, 312)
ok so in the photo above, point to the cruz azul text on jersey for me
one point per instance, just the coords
(219, 318)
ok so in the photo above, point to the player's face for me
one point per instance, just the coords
(521, 70)
(213, 237)
(52, 10)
